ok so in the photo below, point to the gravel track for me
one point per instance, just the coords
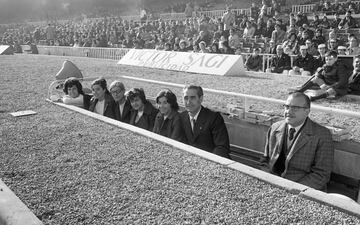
(71, 169)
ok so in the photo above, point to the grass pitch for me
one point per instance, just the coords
(71, 169)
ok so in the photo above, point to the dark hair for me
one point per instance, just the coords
(136, 92)
(102, 83)
(297, 94)
(331, 53)
(292, 34)
(198, 89)
(170, 98)
(70, 82)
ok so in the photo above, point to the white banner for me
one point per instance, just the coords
(217, 64)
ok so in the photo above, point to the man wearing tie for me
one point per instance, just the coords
(204, 129)
(354, 80)
(123, 107)
(297, 148)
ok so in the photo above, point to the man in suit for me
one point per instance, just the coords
(280, 63)
(354, 79)
(122, 107)
(299, 149)
(303, 63)
(203, 128)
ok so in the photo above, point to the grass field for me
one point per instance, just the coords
(71, 169)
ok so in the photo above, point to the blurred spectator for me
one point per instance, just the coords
(234, 40)
(341, 50)
(354, 79)
(280, 63)
(353, 48)
(324, 23)
(278, 35)
(290, 46)
(303, 63)
(319, 38)
(249, 30)
(320, 59)
(228, 19)
(311, 49)
(348, 21)
(254, 62)
(336, 21)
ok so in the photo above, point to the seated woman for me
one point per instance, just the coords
(74, 94)
(167, 121)
(143, 113)
(102, 102)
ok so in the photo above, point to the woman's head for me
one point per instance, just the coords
(99, 88)
(73, 87)
(137, 98)
(167, 101)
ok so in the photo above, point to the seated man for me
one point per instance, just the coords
(297, 148)
(320, 59)
(354, 80)
(280, 63)
(203, 128)
(332, 78)
(304, 63)
(254, 62)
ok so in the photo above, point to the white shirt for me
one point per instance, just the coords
(194, 118)
(121, 108)
(139, 115)
(99, 108)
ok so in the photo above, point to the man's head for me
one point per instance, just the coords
(256, 51)
(341, 50)
(322, 49)
(279, 50)
(308, 43)
(296, 108)
(353, 42)
(117, 90)
(303, 50)
(330, 58)
(357, 63)
(193, 97)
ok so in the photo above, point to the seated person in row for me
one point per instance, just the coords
(122, 106)
(74, 94)
(280, 63)
(102, 102)
(332, 78)
(304, 63)
(320, 59)
(203, 128)
(167, 121)
(254, 62)
(143, 113)
(354, 80)
(297, 148)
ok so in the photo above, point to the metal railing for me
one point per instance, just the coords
(118, 53)
(245, 97)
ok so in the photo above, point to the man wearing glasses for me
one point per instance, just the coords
(299, 149)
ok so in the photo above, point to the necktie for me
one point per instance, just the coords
(291, 133)
(192, 124)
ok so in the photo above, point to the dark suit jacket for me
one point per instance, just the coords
(310, 160)
(109, 110)
(147, 120)
(171, 127)
(280, 63)
(210, 133)
(87, 99)
(125, 116)
(307, 63)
